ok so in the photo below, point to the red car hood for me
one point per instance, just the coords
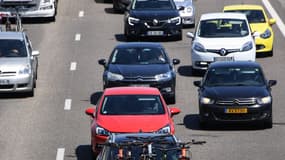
(133, 123)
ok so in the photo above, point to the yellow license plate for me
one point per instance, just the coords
(235, 110)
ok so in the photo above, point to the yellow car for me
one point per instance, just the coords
(259, 23)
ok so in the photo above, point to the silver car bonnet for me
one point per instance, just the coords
(13, 64)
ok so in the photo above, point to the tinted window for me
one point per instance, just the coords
(12, 48)
(153, 4)
(132, 105)
(234, 77)
(141, 55)
(223, 28)
(253, 16)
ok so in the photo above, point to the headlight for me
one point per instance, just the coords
(205, 100)
(199, 47)
(247, 46)
(102, 131)
(132, 21)
(114, 76)
(189, 9)
(46, 7)
(46, 1)
(176, 20)
(264, 100)
(266, 34)
(25, 70)
(164, 76)
(164, 130)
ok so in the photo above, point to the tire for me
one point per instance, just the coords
(268, 123)
(31, 93)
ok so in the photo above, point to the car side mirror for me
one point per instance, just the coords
(174, 111)
(197, 83)
(190, 35)
(90, 111)
(255, 34)
(272, 83)
(175, 61)
(272, 21)
(35, 53)
(102, 62)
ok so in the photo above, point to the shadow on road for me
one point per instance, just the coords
(95, 97)
(13, 95)
(83, 152)
(187, 71)
(103, 1)
(122, 38)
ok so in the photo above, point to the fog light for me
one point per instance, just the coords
(206, 114)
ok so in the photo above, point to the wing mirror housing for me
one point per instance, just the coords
(272, 83)
(190, 35)
(175, 61)
(197, 83)
(272, 21)
(35, 53)
(90, 111)
(174, 111)
(102, 62)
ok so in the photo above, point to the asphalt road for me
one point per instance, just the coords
(42, 127)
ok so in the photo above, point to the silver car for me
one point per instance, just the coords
(186, 11)
(29, 8)
(18, 63)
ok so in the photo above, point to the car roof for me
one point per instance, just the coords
(139, 44)
(221, 64)
(243, 7)
(222, 15)
(131, 91)
(123, 137)
(12, 35)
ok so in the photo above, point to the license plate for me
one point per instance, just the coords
(4, 81)
(155, 33)
(223, 58)
(235, 110)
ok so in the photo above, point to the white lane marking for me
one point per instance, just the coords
(67, 104)
(73, 66)
(81, 14)
(60, 154)
(77, 37)
(275, 15)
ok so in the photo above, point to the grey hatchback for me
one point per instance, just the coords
(18, 63)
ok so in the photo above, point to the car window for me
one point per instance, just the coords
(12, 48)
(223, 28)
(153, 4)
(138, 56)
(253, 16)
(132, 105)
(234, 77)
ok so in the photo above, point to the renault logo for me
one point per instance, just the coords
(155, 22)
(223, 51)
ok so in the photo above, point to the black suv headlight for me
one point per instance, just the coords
(176, 20)
(264, 100)
(205, 100)
(132, 21)
(114, 76)
(164, 76)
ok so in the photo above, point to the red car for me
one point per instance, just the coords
(129, 110)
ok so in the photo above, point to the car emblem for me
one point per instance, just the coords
(236, 101)
(139, 78)
(223, 51)
(155, 22)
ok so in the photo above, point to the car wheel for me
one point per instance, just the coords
(31, 93)
(270, 53)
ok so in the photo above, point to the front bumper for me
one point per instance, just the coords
(217, 113)
(167, 88)
(32, 13)
(201, 60)
(187, 18)
(161, 30)
(264, 45)
(22, 83)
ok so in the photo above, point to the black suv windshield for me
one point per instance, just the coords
(137, 56)
(12, 48)
(132, 105)
(153, 5)
(235, 77)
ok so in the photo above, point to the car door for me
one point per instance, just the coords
(33, 59)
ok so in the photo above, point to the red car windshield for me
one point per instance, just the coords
(132, 105)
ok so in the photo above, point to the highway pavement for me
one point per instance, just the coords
(52, 125)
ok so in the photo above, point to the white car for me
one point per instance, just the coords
(187, 11)
(29, 8)
(221, 36)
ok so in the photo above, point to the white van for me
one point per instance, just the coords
(221, 37)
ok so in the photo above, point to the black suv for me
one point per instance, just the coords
(141, 64)
(235, 92)
(152, 18)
